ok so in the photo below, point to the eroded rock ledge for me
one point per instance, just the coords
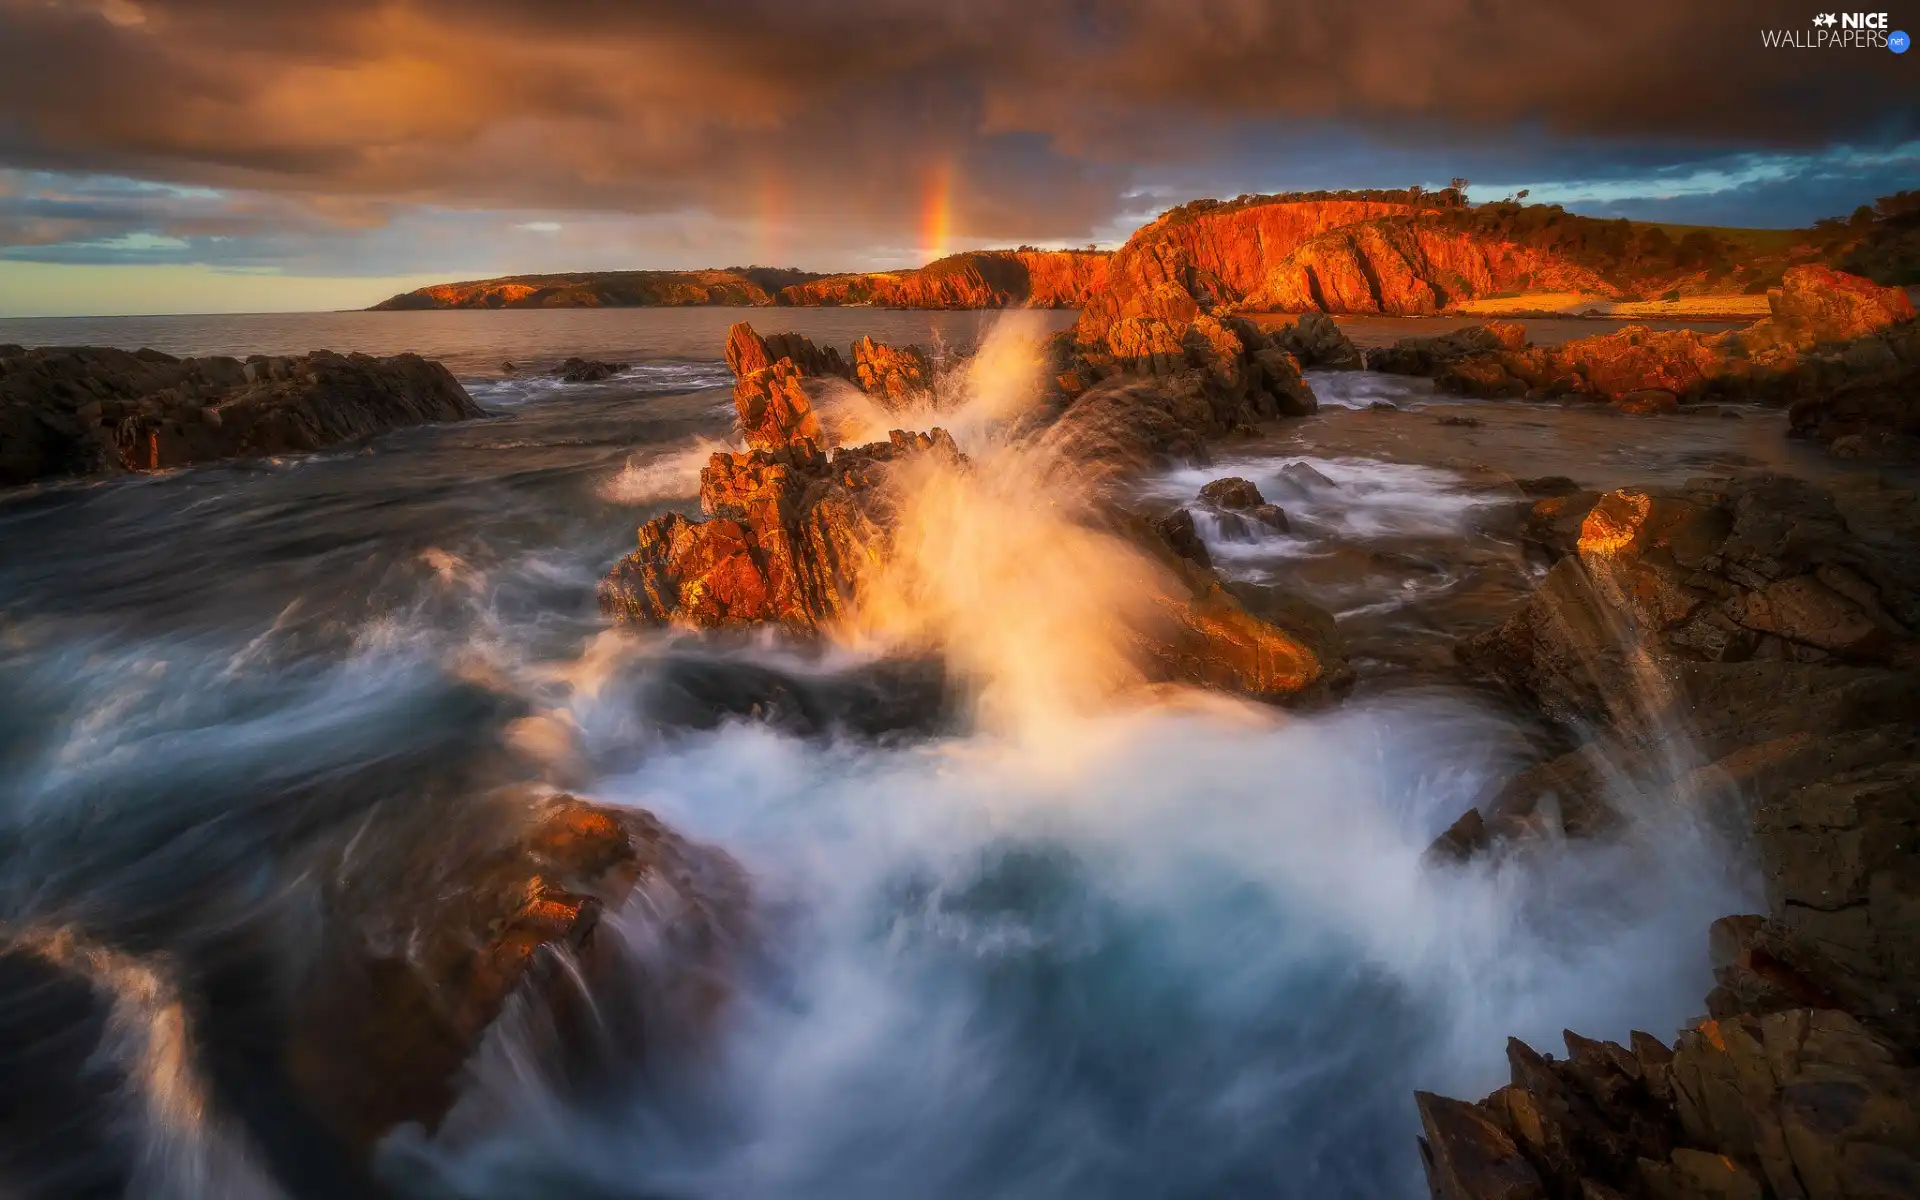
(91, 411)
(1767, 626)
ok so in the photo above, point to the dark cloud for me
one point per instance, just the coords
(838, 120)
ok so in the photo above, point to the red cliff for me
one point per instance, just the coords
(975, 279)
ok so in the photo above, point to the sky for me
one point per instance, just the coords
(276, 155)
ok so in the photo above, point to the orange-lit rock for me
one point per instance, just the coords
(791, 536)
(1820, 304)
(975, 279)
(890, 373)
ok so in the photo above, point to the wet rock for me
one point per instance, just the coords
(1716, 572)
(1232, 492)
(1316, 341)
(790, 536)
(1459, 421)
(1125, 425)
(889, 373)
(1875, 416)
(1425, 355)
(1177, 529)
(410, 982)
(91, 411)
(588, 370)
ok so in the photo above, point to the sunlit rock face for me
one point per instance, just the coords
(1826, 331)
(91, 410)
(976, 279)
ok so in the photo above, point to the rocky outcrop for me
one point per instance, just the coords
(975, 279)
(91, 411)
(791, 537)
(891, 374)
(1801, 352)
(605, 289)
(404, 992)
(773, 396)
(1427, 355)
(1315, 341)
(1149, 389)
(1771, 624)
(588, 370)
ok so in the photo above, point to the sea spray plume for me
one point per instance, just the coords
(673, 474)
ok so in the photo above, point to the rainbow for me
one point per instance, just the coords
(936, 215)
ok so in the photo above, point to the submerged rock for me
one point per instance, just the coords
(588, 370)
(91, 411)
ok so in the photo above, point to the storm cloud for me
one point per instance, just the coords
(265, 131)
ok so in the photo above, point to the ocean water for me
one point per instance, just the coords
(1097, 941)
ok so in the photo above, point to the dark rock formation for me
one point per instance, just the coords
(1315, 341)
(588, 370)
(402, 998)
(1426, 355)
(1772, 623)
(90, 411)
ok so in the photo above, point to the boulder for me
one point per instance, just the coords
(1426, 355)
(92, 411)
(1232, 492)
(1315, 340)
(588, 370)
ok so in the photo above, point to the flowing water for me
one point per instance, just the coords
(1097, 942)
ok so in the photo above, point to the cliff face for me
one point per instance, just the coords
(1405, 267)
(1331, 255)
(604, 289)
(976, 279)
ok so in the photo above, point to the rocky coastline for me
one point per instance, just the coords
(91, 411)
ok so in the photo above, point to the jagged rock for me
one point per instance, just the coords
(890, 373)
(1425, 355)
(402, 996)
(1720, 571)
(790, 536)
(588, 370)
(1177, 528)
(1646, 402)
(1316, 341)
(1469, 1157)
(775, 408)
(1807, 1100)
(748, 352)
(89, 410)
